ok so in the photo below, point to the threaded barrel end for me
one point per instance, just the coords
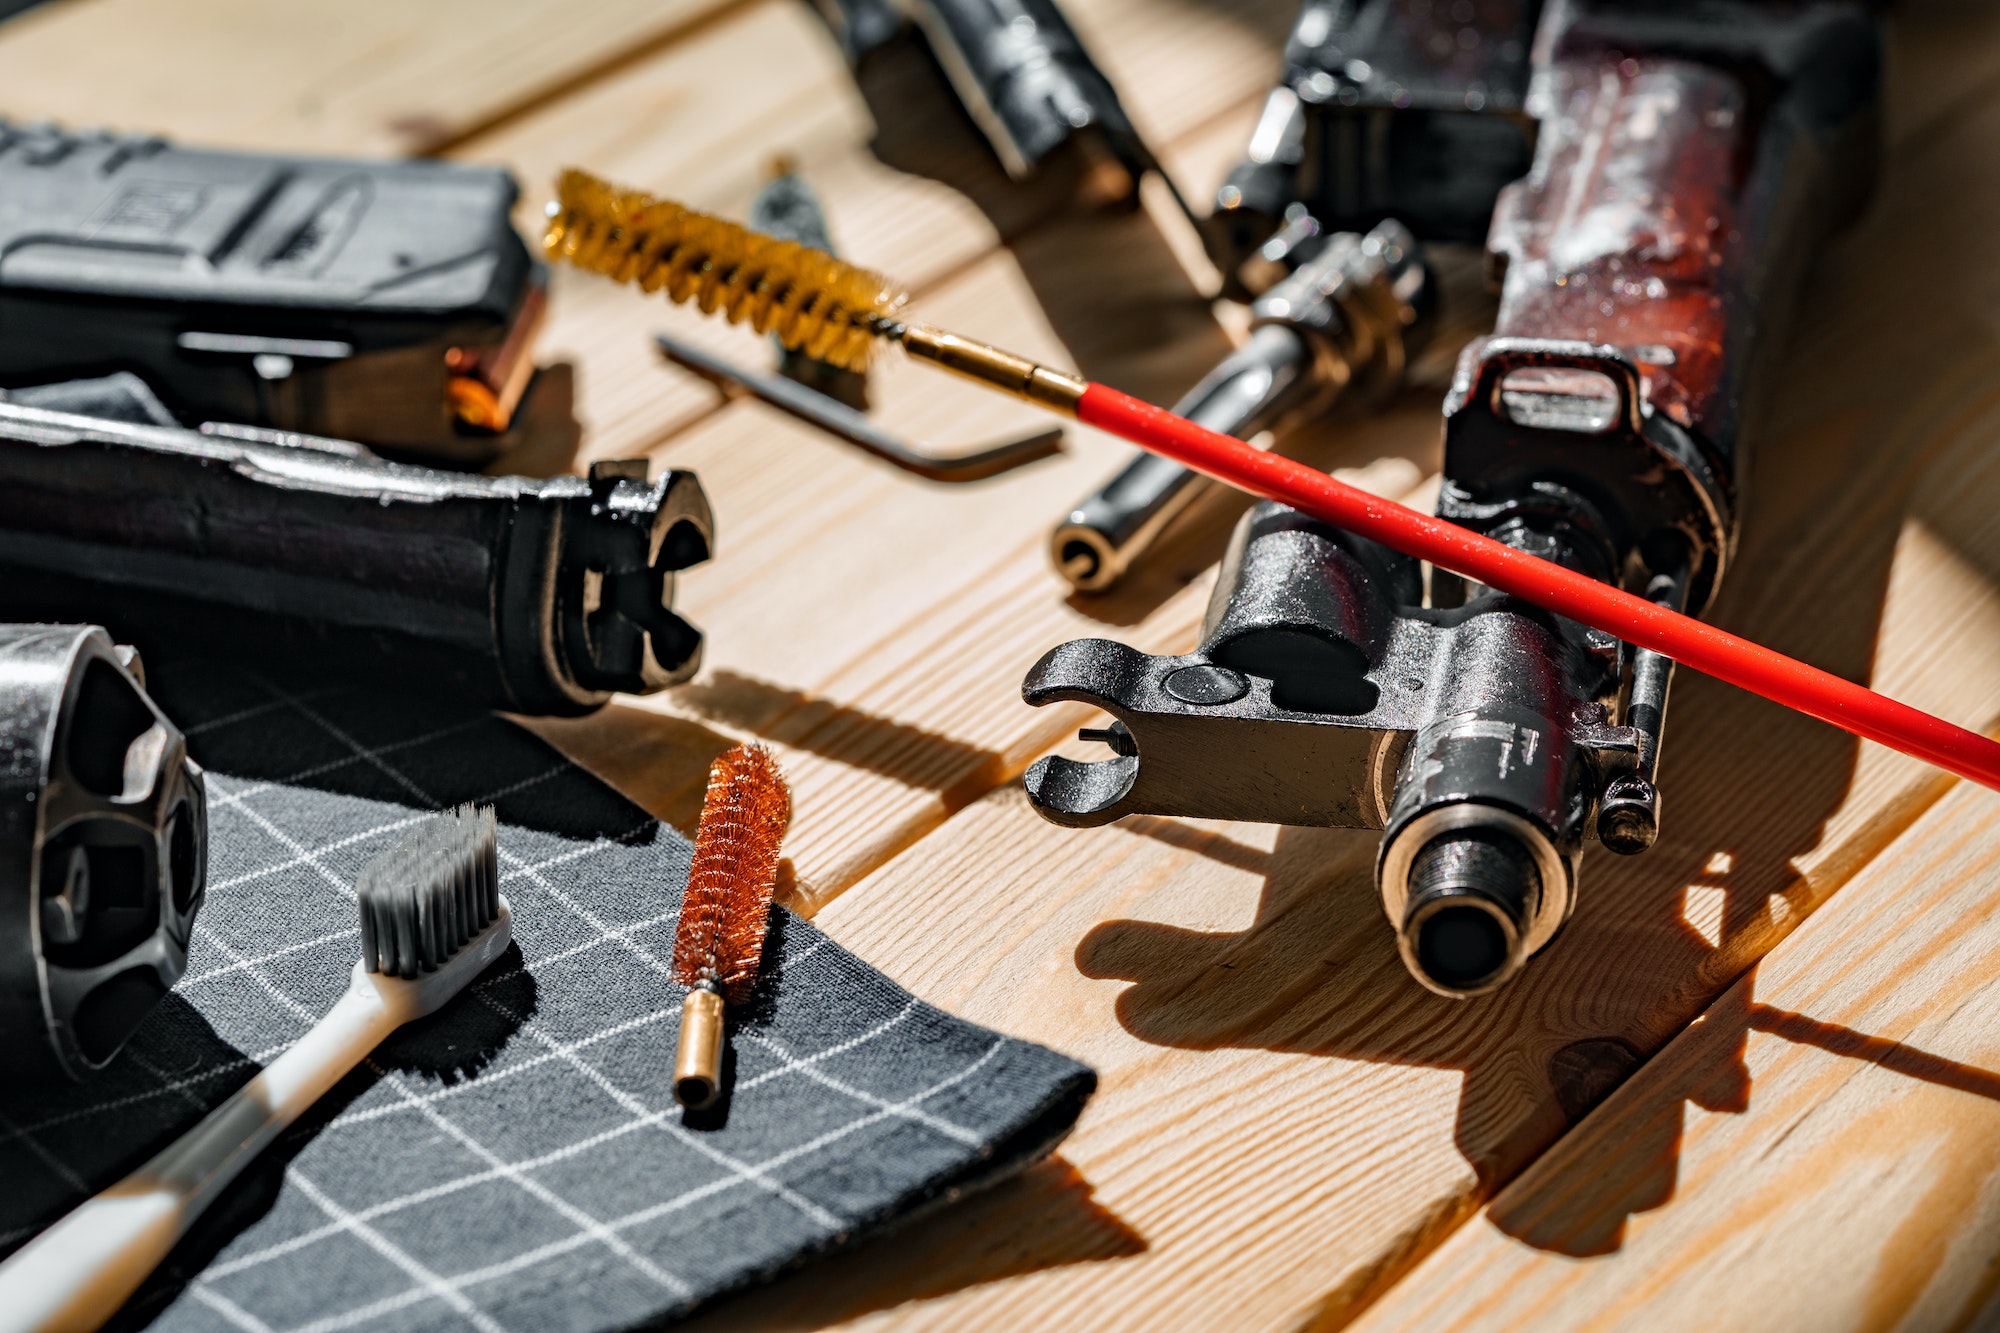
(1472, 895)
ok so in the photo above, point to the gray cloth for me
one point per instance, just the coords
(516, 1161)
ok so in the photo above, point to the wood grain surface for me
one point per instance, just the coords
(1819, 1150)
(1237, 987)
(362, 76)
(1287, 1124)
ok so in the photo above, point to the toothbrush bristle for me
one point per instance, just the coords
(807, 299)
(422, 899)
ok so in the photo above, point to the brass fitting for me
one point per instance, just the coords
(698, 1057)
(1005, 371)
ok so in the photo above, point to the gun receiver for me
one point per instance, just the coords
(1691, 158)
(1387, 109)
(530, 596)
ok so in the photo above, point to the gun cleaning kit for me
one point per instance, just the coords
(1486, 685)
(431, 920)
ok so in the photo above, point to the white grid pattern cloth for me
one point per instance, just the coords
(516, 1161)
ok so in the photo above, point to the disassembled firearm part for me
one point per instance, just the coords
(1025, 78)
(540, 597)
(1386, 110)
(103, 850)
(1691, 159)
(1350, 318)
(389, 302)
(837, 418)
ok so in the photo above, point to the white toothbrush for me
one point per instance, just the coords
(432, 918)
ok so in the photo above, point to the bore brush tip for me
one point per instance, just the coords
(719, 943)
(809, 300)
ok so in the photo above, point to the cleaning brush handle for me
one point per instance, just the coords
(1691, 642)
(76, 1274)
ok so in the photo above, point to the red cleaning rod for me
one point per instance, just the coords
(1688, 641)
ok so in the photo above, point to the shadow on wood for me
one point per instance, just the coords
(657, 761)
(1043, 1218)
(1748, 791)
(907, 753)
(1583, 1213)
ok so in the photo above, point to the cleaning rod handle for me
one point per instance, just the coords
(1693, 643)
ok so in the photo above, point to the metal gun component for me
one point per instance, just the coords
(789, 209)
(862, 27)
(1324, 694)
(1021, 71)
(1386, 110)
(103, 850)
(1349, 318)
(1691, 159)
(532, 596)
(837, 418)
(1025, 78)
(390, 302)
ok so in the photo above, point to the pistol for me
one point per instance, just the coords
(1691, 158)
(389, 302)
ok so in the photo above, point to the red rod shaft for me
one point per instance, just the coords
(1688, 641)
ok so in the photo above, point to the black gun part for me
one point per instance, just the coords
(1691, 159)
(1349, 318)
(389, 302)
(1387, 109)
(103, 850)
(539, 597)
(1025, 78)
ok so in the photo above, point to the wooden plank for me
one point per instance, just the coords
(909, 185)
(905, 612)
(1820, 1150)
(1287, 1123)
(365, 76)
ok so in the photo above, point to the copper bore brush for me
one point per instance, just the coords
(726, 910)
(834, 310)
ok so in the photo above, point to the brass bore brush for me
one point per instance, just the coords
(832, 309)
(726, 910)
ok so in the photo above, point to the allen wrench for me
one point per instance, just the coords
(837, 418)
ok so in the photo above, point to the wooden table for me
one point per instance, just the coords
(1804, 1131)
